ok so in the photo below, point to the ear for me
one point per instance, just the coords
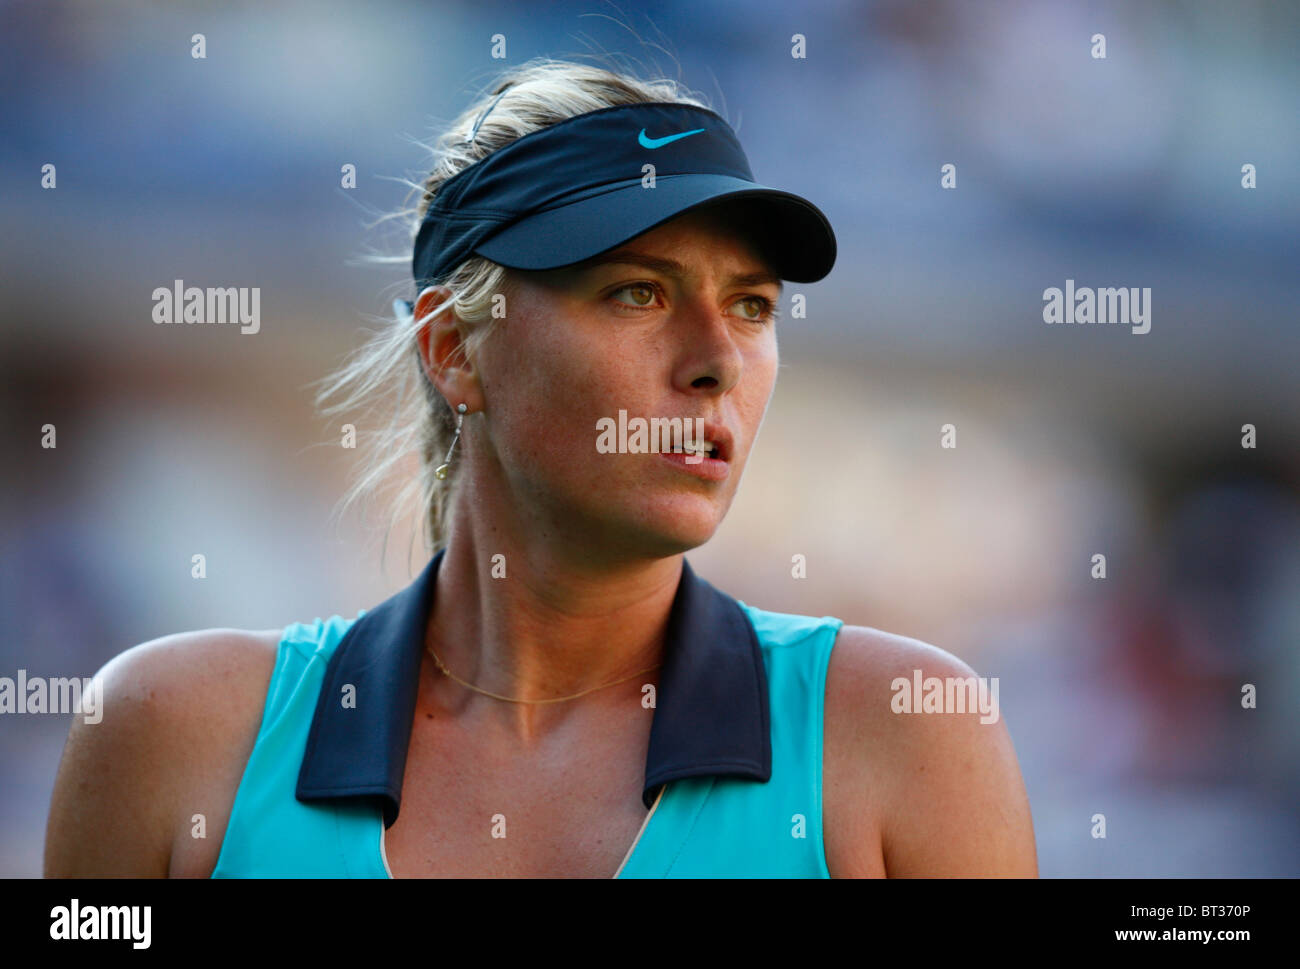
(442, 351)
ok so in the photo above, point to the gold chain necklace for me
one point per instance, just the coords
(510, 699)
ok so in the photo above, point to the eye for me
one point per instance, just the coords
(760, 305)
(643, 294)
(646, 290)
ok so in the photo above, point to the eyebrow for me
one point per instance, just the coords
(671, 267)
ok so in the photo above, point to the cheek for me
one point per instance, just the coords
(755, 395)
(546, 391)
(761, 368)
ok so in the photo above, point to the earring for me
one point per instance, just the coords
(441, 471)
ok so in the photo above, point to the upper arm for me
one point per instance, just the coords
(926, 794)
(170, 709)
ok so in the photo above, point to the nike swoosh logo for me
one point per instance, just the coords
(647, 142)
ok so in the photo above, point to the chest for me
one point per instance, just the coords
(473, 810)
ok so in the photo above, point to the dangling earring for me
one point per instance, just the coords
(441, 471)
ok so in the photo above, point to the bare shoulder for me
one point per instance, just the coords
(933, 792)
(177, 718)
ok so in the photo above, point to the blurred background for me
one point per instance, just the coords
(1122, 694)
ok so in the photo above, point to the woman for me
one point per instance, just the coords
(557, 693)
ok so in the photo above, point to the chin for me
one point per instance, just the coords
(645, 519)
(679, 523)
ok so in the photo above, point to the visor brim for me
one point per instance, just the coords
(790, 231)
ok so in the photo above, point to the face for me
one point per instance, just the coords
(627, 331)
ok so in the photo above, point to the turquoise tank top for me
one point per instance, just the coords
(703, 826)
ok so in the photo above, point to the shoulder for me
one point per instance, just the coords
(177, 718)
(866, 661)
(933, 792)
(172, 671)
(188, 688)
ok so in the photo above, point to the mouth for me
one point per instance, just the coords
(715, 445)
(708, 449)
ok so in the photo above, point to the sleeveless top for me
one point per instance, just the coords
(733, 774)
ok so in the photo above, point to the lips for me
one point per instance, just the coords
(714, 434)
(721, 438)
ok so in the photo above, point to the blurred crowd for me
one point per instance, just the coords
(1123, 694)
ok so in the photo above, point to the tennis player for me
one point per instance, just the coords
(557, 693)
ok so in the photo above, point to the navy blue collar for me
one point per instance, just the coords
(711, 707)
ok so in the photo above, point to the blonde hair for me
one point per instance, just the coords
(533, 96)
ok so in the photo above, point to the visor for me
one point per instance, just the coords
(577, 188)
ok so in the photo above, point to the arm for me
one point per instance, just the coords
(923, 794)
(109, 809)
(179, 718)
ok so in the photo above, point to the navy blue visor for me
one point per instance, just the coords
(578, 188)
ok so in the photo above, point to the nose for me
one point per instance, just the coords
(710, 359)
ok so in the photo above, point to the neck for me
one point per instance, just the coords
(556, 624)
